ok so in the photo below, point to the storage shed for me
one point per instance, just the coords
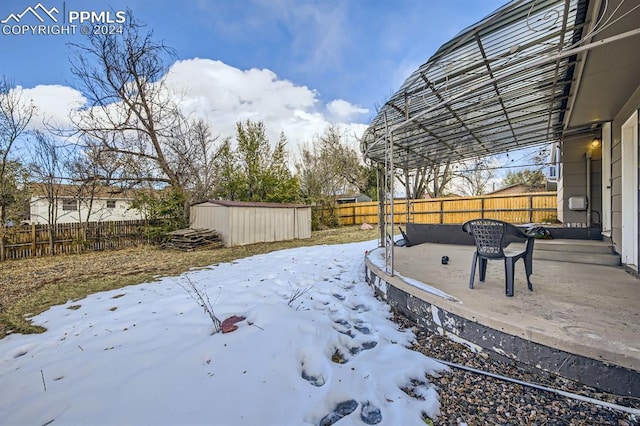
(240, 222)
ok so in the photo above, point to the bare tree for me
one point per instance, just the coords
(134, 116)
(473, 178)
(432, 180)
(15, 115)
(46, 169)
(328, 168)
(123, 80)
(196, 152)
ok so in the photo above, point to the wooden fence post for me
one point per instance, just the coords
(33, 240)
(530, 208)
(1, 243)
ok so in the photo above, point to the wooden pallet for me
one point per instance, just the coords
(193, 239)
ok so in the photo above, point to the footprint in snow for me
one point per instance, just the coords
(343, 322)
(342, 409)
(360, 308)
(362, 328)
(345, 329)
(315, 381)
(315, 369)
(345, 332)
(365, 346)
(370, 414)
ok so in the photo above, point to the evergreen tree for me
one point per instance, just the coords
(255, 171)
(529, 177)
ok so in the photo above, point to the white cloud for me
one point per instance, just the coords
(54, 104)
(224, 95)
(343, 110)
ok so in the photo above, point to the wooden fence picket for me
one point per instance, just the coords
(514, 208)
(33, 240)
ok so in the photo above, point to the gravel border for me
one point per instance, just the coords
(474, 399)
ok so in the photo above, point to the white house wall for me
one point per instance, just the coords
(39, 211)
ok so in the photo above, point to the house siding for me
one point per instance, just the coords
(39, 211)
(573, 181)
(616, 168)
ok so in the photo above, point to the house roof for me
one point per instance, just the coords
(351, 196)
(518, 186)
(229, 203)
(529, 74)
(76, 191)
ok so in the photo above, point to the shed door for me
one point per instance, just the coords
(630, 191)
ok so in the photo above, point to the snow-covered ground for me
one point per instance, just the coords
(316, 347)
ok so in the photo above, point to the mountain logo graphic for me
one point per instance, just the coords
(38, 11)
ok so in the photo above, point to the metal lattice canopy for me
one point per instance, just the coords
(499, 85)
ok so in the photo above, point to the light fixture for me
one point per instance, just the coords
(595, 143)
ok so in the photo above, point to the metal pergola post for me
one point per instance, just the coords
(389, 219)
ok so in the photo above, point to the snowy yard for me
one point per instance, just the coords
(316, 347)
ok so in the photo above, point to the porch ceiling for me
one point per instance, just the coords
(510, 82)
(612, 72)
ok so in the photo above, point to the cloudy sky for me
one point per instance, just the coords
(297, 65)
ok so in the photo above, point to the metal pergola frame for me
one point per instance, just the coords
(502, 84)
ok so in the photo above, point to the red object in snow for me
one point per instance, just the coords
(229, 324)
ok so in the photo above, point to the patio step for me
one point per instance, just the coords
(576, 251)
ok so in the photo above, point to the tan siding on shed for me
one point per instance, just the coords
(303, 223)
(241, 225)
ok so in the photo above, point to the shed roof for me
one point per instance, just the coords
(229, 203)
(521, 77)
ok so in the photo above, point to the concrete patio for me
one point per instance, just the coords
(582, 321)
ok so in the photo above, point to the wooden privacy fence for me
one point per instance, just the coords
(34, 240)
(513, 208)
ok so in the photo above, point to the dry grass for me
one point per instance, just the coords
(31, 286)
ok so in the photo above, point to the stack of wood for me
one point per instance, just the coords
(193, 239)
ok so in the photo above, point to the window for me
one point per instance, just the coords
(69, 205)
(111, 204)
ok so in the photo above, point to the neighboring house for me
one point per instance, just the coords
(517, 188)
(565, 72)
(74, 204)
(353, 198)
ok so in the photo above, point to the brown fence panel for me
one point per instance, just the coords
(34, 240)
(459, 210)
(514, 208)
(427, 211)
